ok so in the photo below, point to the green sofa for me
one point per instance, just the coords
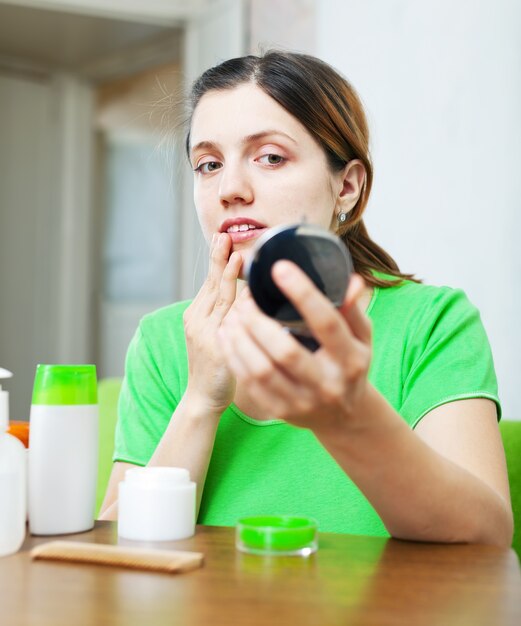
(511, 434)
(108, 394)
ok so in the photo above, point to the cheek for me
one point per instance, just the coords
(205, 229)
(313, 201)
(324, 200)
(205, 213)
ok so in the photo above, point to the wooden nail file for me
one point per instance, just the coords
(171, 561)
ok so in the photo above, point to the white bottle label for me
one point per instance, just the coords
(63, 463)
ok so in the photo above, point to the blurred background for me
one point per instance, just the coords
(97, 225)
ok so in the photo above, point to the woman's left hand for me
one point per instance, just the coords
(319, 390)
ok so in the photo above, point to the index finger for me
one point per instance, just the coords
(219, 256)
(205, 300)
(322, 318)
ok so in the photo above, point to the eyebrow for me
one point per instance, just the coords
(248, 139)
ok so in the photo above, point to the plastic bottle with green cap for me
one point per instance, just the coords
(63, 450)
(13, 481)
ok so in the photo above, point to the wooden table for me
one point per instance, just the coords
(350, 580)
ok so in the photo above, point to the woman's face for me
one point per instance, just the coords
(256, 166)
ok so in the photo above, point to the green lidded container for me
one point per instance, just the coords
(277, 535)
(65, 385)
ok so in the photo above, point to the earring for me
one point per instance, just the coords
(341, 217)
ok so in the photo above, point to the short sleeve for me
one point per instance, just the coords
(145, 405)
(448, 357)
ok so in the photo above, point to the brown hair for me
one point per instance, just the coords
(326, 104)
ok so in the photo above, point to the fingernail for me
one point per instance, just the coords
(282, 270)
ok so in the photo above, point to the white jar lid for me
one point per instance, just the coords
(157, 476)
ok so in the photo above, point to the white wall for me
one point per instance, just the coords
(442, 84)
(288, 25)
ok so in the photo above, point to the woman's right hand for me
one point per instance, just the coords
(210, 382)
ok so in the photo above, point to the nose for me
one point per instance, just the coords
(235, 185)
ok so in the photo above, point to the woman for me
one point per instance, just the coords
(391, 426)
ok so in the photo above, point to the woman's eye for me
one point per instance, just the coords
(208, 167)
(271, 159)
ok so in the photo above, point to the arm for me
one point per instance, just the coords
(444, 482)
(187, 442)
(189, 437)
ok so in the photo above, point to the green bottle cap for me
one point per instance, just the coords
(65, 384)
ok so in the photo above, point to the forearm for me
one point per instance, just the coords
(109, 513)
(188, 441)
(418, 493)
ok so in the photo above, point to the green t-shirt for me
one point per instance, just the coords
(429, 348)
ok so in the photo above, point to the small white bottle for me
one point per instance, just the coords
(13, 481)
(63, 451)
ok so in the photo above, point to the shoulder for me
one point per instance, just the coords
(165, 320)
(417, 301)
(430, 347)
(157, 351)
(159, 336)
(414, 317)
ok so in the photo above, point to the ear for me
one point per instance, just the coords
(351, 182)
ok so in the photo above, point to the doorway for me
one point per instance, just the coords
(57, 70)
(136, 204)
(60, 258)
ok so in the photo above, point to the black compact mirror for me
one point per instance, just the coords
(319, 253)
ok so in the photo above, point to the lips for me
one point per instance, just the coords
(240, 224)
(242, 229)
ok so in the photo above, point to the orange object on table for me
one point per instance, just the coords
(20, 430)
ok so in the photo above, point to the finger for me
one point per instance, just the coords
(228, 287)
(351, 310)
(242, 292)
(322, 318)
(232, 360)
(284, 350)
(245, 293)
(271, 388)
(290, 408)
(276, 408)
(200, 293)
(219, 256)
(253, 367)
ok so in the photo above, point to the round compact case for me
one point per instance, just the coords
(320, 254)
